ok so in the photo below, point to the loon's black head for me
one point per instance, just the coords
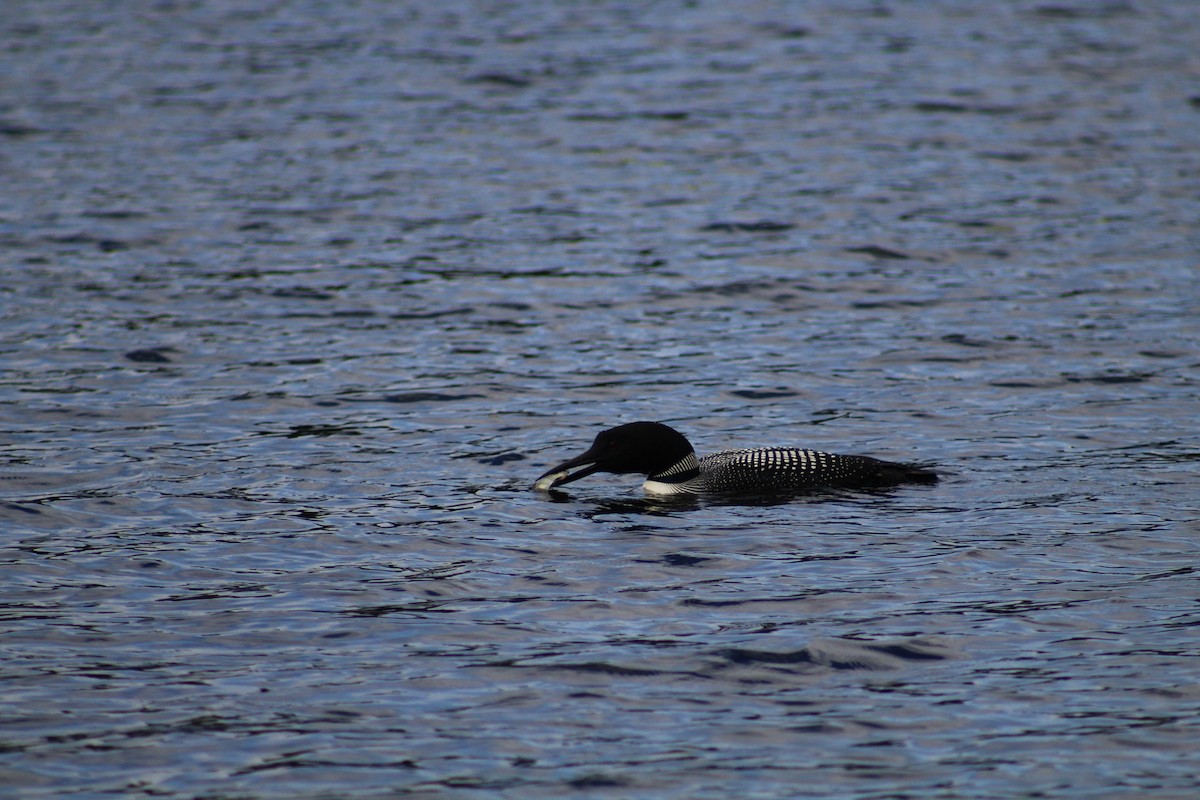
(648, 448)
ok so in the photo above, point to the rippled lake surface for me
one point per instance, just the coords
(299, 298)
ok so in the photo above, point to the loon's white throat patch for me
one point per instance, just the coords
(681, 478)
(663, 489)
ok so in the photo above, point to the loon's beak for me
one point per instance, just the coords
(562, 473)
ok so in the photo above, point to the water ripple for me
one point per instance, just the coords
(298, 304)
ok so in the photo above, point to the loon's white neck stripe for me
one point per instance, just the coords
(687, 464)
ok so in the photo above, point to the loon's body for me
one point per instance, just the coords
(668, 460)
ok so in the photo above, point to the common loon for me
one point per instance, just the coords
(666, 457)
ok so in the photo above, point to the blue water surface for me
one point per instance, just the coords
(298, 300)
